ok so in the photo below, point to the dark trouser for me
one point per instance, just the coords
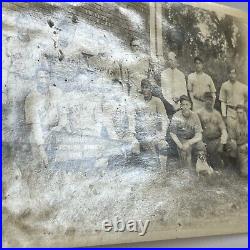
(214, 152)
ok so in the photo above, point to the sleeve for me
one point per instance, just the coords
(190, 83)
(197, 124)
(162, 115)
(223, 95)
(211, 85)
(182, 86)
(173, 124)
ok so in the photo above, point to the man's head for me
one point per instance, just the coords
(146, 89)
(185, 105)
(135, 45)
(43, 79)
(172, 60)
(241, 113)
(232, 74)
(209, 100)
(198, 64)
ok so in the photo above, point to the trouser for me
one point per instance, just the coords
(214, 152)
(230, 122)
(185, 157)
(156, 149)
(243, 160)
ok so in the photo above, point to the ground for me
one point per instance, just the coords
(56, 201)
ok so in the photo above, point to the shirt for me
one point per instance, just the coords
(240, 133)
(151, 118)
(212, 123)
(198, 84)
(173, 84)
(134, 68)
(185, 128)
(233, 94)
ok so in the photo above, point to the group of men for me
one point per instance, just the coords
(196, 127)
(181, 116)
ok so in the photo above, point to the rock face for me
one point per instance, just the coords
(72, 157)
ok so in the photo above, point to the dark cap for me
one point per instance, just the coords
(208, 95)
(145, 83)
(184, 98)
(239, 106)
(197, 58)
(231, 68)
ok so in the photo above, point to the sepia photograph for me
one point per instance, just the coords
(123, 122)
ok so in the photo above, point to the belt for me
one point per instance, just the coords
(231, 107)
(212, 138)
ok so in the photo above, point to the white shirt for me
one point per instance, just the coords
(173, 84)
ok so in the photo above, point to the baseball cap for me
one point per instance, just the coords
(184, 98)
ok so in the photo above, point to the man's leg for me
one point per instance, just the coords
(214, 151)
(243, 160)
(163, 151)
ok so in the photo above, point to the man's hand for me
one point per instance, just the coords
(176, 99)
(223, 139)
(185, 146)
(135, 147)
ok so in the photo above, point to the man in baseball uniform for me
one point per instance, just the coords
(151, 124)
(214, 131)
(239, 139)
(186, 131)
(199, 83)
(232, 93)
(134, 67)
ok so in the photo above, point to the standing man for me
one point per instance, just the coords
(173, 82)
(186, 131)
(239, 139)
(214, 131)
(134, 68)
(232, 93)
(151, 124)
(199, 83)
(44, 112)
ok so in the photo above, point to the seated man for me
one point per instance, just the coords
(151, 124)
(214, 130)
(186, 131)
(239, 139)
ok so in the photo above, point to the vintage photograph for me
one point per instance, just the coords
(123, 122)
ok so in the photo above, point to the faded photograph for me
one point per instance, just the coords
(123, 122)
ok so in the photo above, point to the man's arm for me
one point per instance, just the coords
(176, 140)
(223, 100)
(162, 115)
(190, 88)
(223, 129)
